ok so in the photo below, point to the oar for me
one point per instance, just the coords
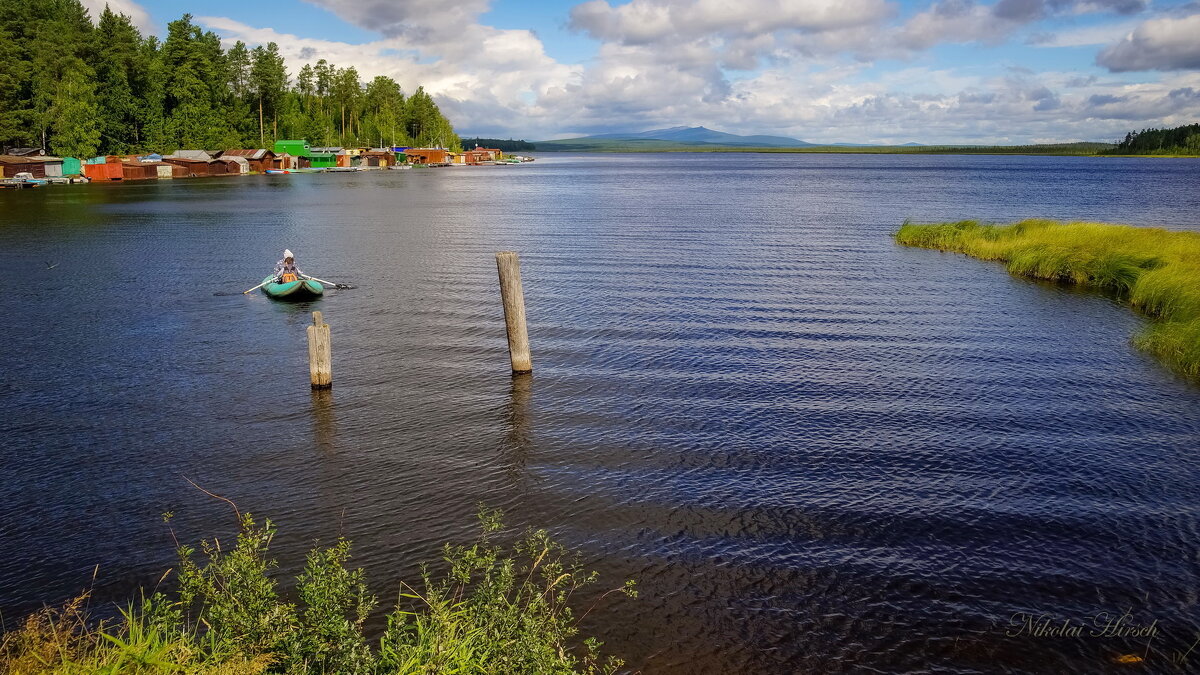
(255, 288)
(330, 283)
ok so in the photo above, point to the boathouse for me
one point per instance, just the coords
(294, 148)
(258, 160)
(324, 157)
(235, 164)
(477, 156)
(137, 170)
(58, 167)
(494, 154)
(104, 168)
(379, 157)
(11, 165)
(426, 155)
(194, 168)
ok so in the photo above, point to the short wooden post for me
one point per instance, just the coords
(513, 298)
(320, 354)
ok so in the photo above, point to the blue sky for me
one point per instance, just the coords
(933, 71)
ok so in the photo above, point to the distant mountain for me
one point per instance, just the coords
(673, 137)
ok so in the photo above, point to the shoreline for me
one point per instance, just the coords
(1154, 271)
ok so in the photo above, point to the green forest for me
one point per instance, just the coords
(1184, 140)
(508, 145)
(80, 88)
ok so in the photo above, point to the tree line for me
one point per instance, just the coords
(1183, 140)
(80, 89)
(500, 144)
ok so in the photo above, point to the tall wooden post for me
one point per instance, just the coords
(320, 354)
(513, 298)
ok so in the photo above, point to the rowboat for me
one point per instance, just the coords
(301, 289)
(276, 171)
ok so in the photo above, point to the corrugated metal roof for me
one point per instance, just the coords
(248, 154)
(190, 154)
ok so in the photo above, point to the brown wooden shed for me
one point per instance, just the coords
(11, 165)
(426, 155)
(259, 160)
(194, 167)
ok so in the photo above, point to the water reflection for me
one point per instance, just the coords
(517, 441)
(324, 421)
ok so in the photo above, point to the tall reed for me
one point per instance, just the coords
(1156, 270)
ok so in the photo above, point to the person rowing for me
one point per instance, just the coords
(286, 270)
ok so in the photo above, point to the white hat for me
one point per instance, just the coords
(287, 253)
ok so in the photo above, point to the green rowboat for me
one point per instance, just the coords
(301, 289)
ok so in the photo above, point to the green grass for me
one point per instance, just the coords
(497, 610)
(1156, 270)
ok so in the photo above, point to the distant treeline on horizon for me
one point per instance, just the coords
(506, 145)
(1184, 140)
(79, 90)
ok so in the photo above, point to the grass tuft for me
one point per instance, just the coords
(1156, 270)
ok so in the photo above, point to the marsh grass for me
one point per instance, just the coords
(497, 610)
(1156, 270)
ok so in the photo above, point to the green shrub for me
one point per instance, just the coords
(496, 610)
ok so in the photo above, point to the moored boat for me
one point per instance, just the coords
(276, 171)
(300, 289)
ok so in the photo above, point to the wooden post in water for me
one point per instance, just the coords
(320, 354)
(513, 298)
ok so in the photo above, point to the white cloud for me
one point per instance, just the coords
(1167, 43)
(758, 66)
(437, 20)
(483, 84)
(1086, 36)
(647, 21)
(956, 21)
(136, 13)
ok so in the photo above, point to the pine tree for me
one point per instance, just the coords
(268, 80)
(12, 123)
(74, 88)
(75, 131)
(60, 43)
(117, 49)
(150, 85)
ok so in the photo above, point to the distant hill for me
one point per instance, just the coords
(673, 138)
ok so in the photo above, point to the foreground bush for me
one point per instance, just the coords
(1156, 270)
(495, 611)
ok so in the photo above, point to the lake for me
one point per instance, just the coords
(814, 450)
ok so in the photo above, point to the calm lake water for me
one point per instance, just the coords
(815, 451)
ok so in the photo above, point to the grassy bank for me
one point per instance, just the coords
(496, 610)
(1157, 271)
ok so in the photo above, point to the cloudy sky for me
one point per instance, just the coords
(872, 71)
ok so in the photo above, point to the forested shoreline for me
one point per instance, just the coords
(78, 89)
(1183, 140)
